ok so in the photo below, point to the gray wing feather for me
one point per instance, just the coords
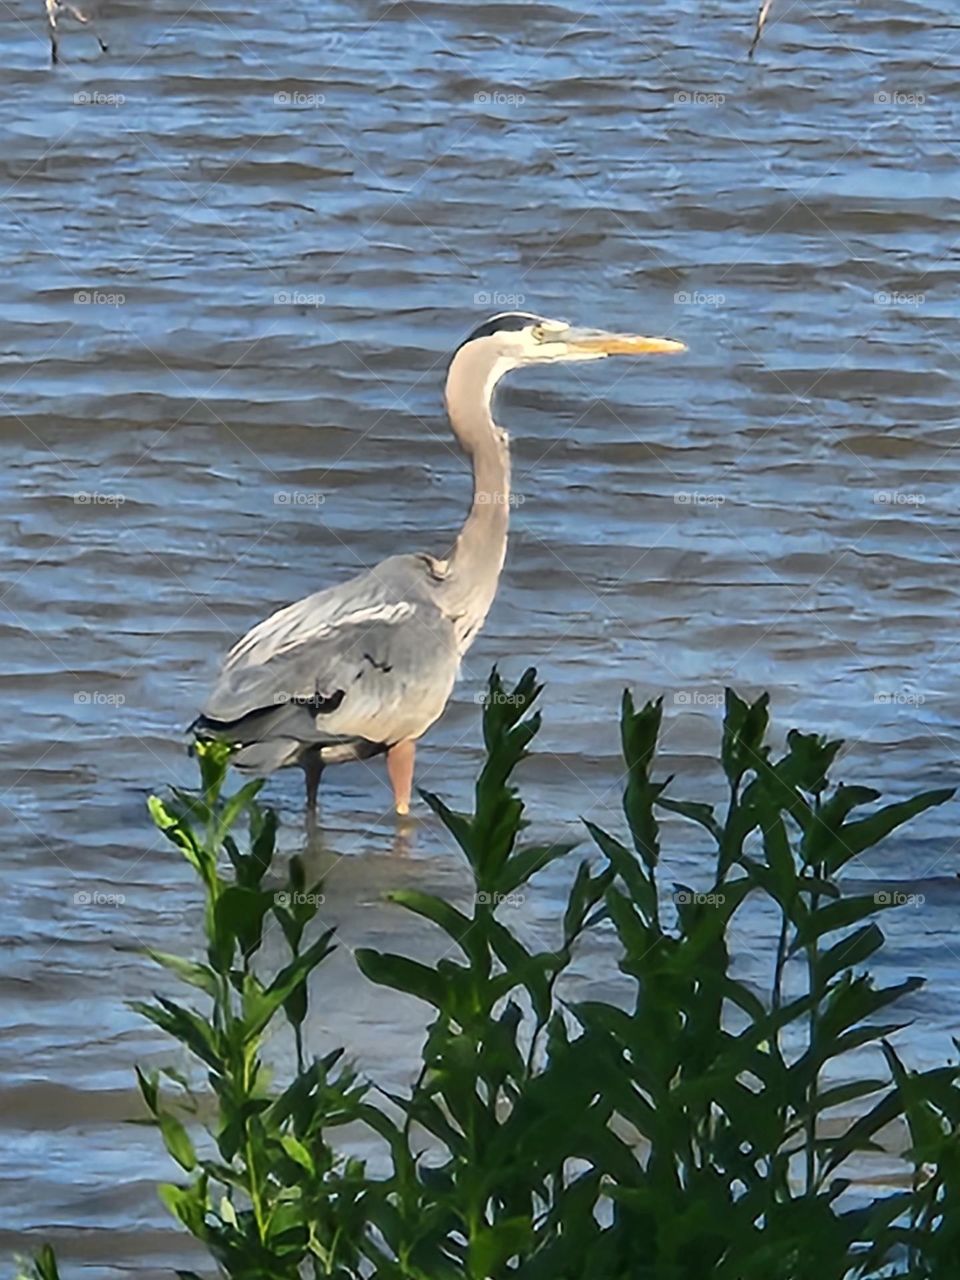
(373, 659)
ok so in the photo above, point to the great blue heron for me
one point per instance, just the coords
(55, 10)
(366, 667)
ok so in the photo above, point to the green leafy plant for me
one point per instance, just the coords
(740, 1146)
(686, 1129)
(696, 1123)
(266, 1193)
(491, 1186)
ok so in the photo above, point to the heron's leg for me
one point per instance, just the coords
(400, 759)
(312, 770)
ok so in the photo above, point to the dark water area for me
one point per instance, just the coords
(237, 252)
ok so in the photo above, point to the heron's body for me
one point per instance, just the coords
(346, 672)
(368, 666)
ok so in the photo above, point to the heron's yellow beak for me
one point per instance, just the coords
(595, 342)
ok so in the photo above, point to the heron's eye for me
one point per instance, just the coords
(548, 330)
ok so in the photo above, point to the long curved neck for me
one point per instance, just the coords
(476, 560)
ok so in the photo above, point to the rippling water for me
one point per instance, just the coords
(237, 251)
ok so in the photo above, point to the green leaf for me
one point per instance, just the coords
(198, 975)
(188, 807)
(586, 891)
(808, 761)
(639, 731)
(214, 759)
(187, 1205)
(298, 1152)
(744, 731)
(263, 840)
(854, 999)
(199, 857)
(637, 880)
(777, 850)
(295, 1006)
(840, 1095)
(453, 922)
(822, 832)
(185, 1025)
(45, 1263)
(262, 1006)
(492, 1247)
(233, 808)
(459, 825)
(532, 972)
(702, 814)
(238, 920)
(928, 1131)
(840, 913)
(149, 1088)
(177, 1140)
(503, 711)
(853, 837)
(524, 864)
(850, 951)
(859, 1136)
(409, 976)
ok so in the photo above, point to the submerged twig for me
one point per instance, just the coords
(54, 9)
(762, 15)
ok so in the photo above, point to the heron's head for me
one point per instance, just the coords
(517, 338)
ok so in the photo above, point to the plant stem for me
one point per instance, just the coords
(777, 994)
(812, 952)
(256, 1199)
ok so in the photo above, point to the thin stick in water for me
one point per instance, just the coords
(764, 13)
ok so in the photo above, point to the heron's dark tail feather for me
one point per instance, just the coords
(265, 721)
(250, 725)
(203, 727)
(273, 737)
(256, 754)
